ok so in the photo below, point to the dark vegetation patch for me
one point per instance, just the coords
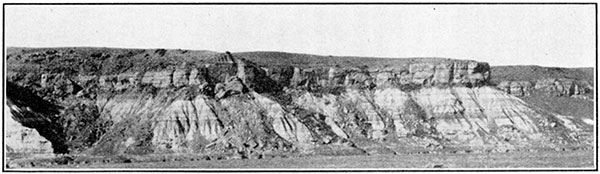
(413, 118)
(321, 90)
(285, 98)
(355, 124)
(315, 122)
(409, 87)
(112, 142)
(83, 126)
(260, 82)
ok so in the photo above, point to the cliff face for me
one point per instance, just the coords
(467, 73)
(267, 79)
(230, 105)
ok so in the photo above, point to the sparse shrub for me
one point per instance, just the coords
(117, 64)
(148, 89)
(282, 97)
(160, 52)
(335, 90)
(90, 67)
(410, 87)
(413, 118)
(82, 125)
(143, 138)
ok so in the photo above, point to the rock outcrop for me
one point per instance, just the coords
(467, 73)
(232, 86)
(229, 105)
(272, 78)
(222, 71)
(516, 88)
(566, 87)
(551, 86)
(159, 79)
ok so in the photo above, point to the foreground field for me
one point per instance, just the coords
(547, 159)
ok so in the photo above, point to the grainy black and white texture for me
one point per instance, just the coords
(461, 87)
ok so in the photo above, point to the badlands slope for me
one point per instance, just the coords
(115, 102)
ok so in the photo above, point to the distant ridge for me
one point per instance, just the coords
(534, 72)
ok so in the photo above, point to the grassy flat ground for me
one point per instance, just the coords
(547, 159)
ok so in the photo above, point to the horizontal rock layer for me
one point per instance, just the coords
(553, 86)
(464, 73)
(236, 106)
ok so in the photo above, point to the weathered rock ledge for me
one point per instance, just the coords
(552, 86)
(269, 78)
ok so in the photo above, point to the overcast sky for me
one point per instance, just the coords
(547, 35)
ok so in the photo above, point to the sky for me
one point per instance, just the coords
(545, 35)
